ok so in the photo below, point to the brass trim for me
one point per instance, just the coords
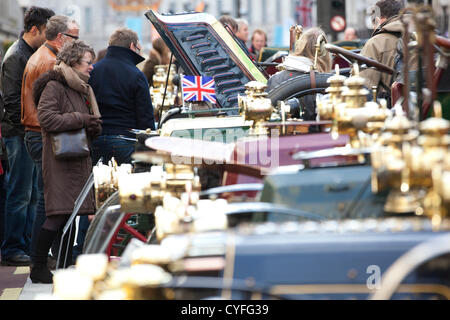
(425, 288)
(256, 296)
(357, 288)
(319, 289)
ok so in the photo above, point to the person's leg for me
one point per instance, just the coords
(39, 270)
(17, 204)
(121, 149)
(31, 214)
(2, 202)
(100, 150)
(33, 142)
(112, 146)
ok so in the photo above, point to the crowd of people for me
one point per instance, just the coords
(49, 88)
(52, 83)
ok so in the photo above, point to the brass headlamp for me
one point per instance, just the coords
(256, 107)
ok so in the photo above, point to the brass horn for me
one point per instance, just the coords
(320, 49)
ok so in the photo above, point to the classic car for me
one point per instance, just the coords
(334, 219)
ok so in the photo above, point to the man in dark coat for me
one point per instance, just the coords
(123, 96)
(20, 201)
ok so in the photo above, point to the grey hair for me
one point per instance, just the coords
(73, 52)
(55, 25)
(240, 22)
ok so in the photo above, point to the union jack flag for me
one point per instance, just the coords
(303, 13)
(197, 88)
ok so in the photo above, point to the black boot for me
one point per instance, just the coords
(39, 270)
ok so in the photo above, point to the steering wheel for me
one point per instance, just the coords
(360, 59)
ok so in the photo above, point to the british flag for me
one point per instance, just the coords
(197, 88)
(303, 13)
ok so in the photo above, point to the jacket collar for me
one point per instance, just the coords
(21, 39)
(124, 53)
(50, 46)
(385, 28)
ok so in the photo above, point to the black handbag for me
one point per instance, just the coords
(70, 144)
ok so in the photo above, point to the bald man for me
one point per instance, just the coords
(350, 34)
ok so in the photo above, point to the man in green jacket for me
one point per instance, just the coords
(383, 43)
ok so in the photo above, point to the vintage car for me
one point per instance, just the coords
(202, 46)
(359, 211)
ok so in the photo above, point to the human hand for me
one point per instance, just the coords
(92, 124)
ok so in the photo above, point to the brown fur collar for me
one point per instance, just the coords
(41, 82)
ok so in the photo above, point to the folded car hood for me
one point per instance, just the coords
(203, 47)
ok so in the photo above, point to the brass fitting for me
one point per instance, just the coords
(256, 107)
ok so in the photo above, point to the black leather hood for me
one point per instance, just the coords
(203, 47)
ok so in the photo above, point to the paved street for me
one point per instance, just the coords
(15, 284)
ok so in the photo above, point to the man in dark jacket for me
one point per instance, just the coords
(20, 202)
(123, 97)
(2, 176)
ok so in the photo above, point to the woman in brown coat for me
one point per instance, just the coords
(65, 103)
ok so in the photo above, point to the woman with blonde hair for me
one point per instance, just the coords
(65, 102)
(301, 62)
(305, 47)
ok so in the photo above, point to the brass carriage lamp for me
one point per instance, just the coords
(356, 95)
(435, 166)
(256, 107)
(435, 142)
(337, 86)
(349, 117)
(391, 162)
(325, 107)
(352, 114)
(143, 192)
(158, 92)
(106, 179)
(398, 130)
(159, 78)
(438, 207)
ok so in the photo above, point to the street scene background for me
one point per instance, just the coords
(99, 18)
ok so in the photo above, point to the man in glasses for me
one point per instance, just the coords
(20, 203)
(59, 31)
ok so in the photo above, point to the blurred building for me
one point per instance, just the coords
(99, 18)
(11, 23)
